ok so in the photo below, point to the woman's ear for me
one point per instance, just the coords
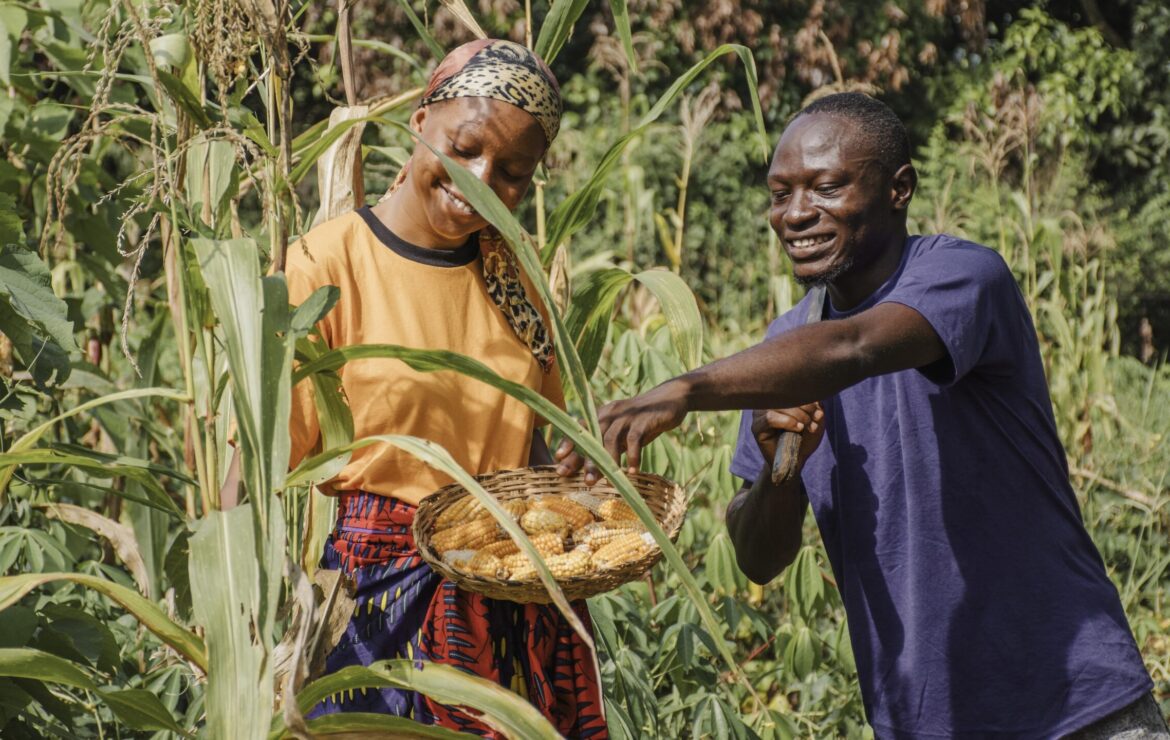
(416, 120)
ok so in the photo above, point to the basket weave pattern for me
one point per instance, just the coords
(667, 501)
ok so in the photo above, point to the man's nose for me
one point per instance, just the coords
(799, 211)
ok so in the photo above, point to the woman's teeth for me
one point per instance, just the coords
(811, 241)
(458, 203)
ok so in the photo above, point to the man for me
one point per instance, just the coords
(977, 604)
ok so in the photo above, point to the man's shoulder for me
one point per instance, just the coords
(957, 254)
(791, 318)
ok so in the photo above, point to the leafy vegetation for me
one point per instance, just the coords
(157, 158)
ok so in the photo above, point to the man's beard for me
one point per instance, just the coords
(827, 276)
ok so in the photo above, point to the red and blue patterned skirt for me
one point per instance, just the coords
(406, 610)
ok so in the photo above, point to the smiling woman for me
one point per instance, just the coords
(422, 269)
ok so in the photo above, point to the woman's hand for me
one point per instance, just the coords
(807, 421)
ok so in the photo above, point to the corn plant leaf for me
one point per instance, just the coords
(235, 605)
(591, 312)
(462, 13)
(376, 727)
(587, 444)
(184, 99)
(488, 205)
(421, 29)
(502, 709)
(13, 20)
(577, 210)
(558, 27)
(681, 311)
(439, 459)
(141, 710)
(184, 642)
(102, 465)
(621, 19)
(120, 536)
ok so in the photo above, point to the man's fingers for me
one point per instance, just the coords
(633, 449)
(564, 448)
(614, 439)
(788, 420)
(570, 464)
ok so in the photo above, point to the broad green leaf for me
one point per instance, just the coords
(184, 642)
(590, 312)
(681, 311)
(42, 666)
(26, 295)
(237, 611)
(376, 727)
(441, 460)
(801, 653)
(558, 27)
(577, 210)
(171, 48)
(804, 581)
(211, 178)
(433, 360)
(501, 708)
(102, 465)
(141, 710)
(184, 99)
(13, 20)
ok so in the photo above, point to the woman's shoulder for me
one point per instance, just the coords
(327, 247)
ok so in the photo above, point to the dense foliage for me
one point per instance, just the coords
(157, 156)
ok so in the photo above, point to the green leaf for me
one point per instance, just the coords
(801, 653)
(590, 312)
(422, 31)
(25, 294)
(141, 710)
(186, 643)
(315, 307)
(41, 666)
(376, 727)
(621, 19)
(142, 471)
(558, 27)
(184, 99)
(172, 49)
(806, 587)
(502, 709)
(577, 210)
(681, 311)
(212, 178)
(13, 20)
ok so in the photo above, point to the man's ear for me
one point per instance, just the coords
(417, 118)
(905, 182)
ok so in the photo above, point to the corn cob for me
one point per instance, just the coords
(565, 565)
(486, 564)
(516, 507)
(548, 543)
(574, 514)
(467, 536)
(463, 510)
(616, 510)
(597, 534)
(537, 521)
(622, 550)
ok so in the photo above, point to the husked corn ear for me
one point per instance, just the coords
(516, 507)
(536, 521)
(622, 550)
(575, 514)
(575, 563)
(597, 534)
(548, 543)
(485, 564)
(524, 571)
(467, 536)
(616, 510)
(465, 509)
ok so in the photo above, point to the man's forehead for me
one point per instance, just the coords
(820, 138)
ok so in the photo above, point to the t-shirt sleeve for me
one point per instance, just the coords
(968, 295)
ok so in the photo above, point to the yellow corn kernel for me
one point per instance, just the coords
(622, 550)
(464, 510)
(485, 564)
(616, 510)
(523, 571)
(597, 534)
(467, 536)
(501, 548)
(537, 521)
(546, 544)
(575, 563)
(575, 514)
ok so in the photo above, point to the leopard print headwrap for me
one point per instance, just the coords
(509, 72)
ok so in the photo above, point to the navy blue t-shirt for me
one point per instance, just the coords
(977, 604)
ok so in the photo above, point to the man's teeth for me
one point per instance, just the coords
(810, 241)
(459, 203)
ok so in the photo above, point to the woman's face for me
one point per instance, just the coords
(498, 142)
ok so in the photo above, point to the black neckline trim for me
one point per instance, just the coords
(457, 257)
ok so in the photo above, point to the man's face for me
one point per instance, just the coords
(833, 203)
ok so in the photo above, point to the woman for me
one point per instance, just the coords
(423, 269)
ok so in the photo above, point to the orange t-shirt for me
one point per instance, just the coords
(393, 292)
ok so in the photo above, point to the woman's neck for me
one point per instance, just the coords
(408, 221)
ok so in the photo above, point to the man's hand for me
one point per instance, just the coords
(628, 426)
(807, 421)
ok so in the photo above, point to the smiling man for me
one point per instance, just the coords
(978, 606)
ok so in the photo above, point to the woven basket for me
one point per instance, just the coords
(666, 500)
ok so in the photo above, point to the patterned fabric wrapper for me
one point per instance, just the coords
(405, 610)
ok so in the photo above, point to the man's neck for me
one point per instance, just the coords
(850, 289)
